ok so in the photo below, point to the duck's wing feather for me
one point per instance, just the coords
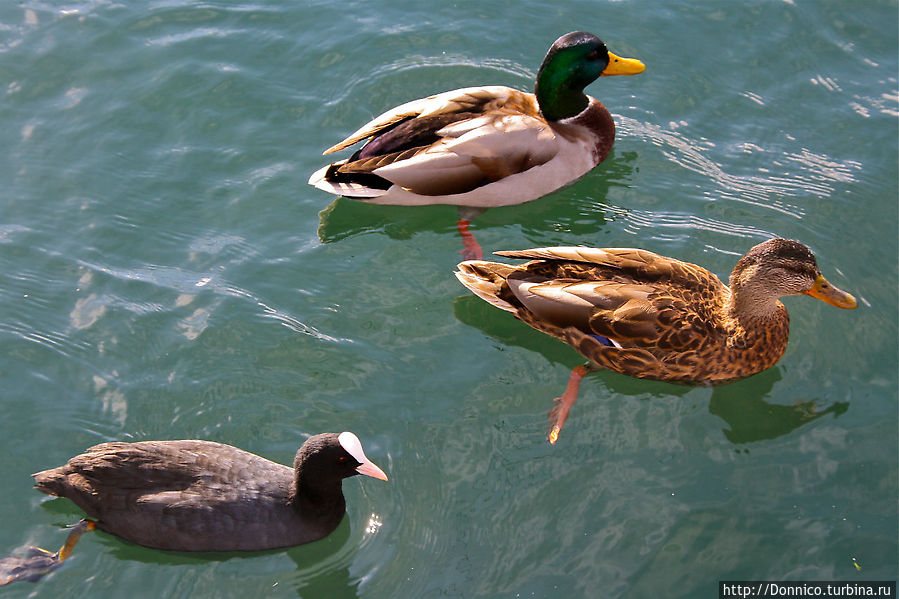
(465, 100)
(468, 141)
(636, 298)
(631, 315)
(473, 153)
(625, 309)
(625, 265)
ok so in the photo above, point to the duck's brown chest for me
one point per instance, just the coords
(594, 126)
(747, 350)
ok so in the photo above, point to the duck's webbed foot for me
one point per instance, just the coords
(472, 249)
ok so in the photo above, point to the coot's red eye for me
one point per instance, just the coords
(342, 459)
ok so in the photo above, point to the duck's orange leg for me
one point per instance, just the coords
(472, 250)
(559, 414)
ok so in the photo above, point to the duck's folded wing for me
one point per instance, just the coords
(473, 153)
(469, 99)
(614, 310)
(632, 259)
(632, 264)
(629, 314)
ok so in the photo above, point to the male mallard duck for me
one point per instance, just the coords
(204, 496)
(653, 317)
(481, 147)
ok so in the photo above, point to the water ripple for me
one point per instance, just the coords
(414, 62)
(60, 342)
(285, 319)
(886, 103)
(656, 221)
(822, 168)
(816, 176)
(186, 283)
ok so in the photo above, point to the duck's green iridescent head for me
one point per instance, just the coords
(574, 61)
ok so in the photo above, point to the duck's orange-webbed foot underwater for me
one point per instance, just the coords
(559, 413)
(472, 250)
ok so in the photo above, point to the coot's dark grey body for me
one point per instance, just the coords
(203, 496)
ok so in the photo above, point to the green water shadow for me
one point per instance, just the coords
(742, 405)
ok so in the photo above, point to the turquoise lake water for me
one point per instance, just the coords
(167, 273)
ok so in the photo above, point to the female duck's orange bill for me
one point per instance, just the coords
(829, 294)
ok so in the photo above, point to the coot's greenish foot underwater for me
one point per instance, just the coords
(203, 496)
(40, 562)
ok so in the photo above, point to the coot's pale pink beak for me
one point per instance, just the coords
(369, 469)
(353, 446)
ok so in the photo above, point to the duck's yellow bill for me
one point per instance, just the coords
(829, 294)
(623, 66)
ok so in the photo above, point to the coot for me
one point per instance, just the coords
(203, 496)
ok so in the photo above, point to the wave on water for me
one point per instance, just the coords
(418, 62)
(816, 175)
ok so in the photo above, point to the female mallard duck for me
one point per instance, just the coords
(481, 147)
(653, 317)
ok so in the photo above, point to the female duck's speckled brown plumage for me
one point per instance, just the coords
(648, 316)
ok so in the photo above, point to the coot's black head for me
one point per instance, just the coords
(333, 456)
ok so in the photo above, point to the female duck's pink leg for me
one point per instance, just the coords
(559, 414)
